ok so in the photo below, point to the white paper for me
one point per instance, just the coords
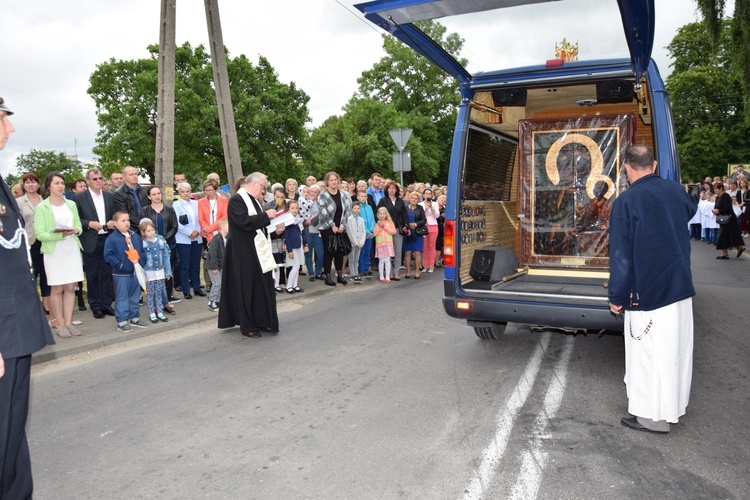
(287, 219)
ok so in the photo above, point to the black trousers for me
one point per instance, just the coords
(15, 462)
(327, 257)
(101, 289)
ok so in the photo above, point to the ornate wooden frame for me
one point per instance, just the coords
(570, 176)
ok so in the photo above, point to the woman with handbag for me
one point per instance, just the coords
(334, 208)
(729, 231)
(414, 233)
(432, 213)
(189, 241)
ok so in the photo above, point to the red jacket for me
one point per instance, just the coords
(204, 215)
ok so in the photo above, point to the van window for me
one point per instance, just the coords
(489, 166)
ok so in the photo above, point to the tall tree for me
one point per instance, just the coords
(270, 115)
(713, 13)
(706, 90)
(401, 90)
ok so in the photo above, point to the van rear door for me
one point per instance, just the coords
(397, 18)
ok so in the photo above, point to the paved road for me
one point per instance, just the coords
(368, 393)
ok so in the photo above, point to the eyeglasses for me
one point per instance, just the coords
(97, 178)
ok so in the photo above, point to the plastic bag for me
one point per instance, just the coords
(339, 245)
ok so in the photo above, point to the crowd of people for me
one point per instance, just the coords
(723, 214)
(126, 237)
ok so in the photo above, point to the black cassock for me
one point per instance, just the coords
(248, 297)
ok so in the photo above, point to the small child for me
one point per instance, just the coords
(384, 231)
(157, 267)
(279, 203)
(121, 253)
(215, 263)
(296, 247)
(365, 211)
(355, 229)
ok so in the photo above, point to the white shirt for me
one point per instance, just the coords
(101, 212)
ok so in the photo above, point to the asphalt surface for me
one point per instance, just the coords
(372, 392)
(98, 333)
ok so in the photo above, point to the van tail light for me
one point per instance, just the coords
(449, 237)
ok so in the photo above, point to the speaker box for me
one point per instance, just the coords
(492, 263)
(609, 91)
(509, 97)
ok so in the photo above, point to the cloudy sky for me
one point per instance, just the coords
(51, 47)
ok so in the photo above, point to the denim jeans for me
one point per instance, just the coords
(127, 293)
(364, 255)
(190, 265)
(316, 245)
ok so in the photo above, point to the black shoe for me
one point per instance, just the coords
(98, 314)
(108, 311)
(253, 335)
(329, 281)
(633, 423)
(187, 295)
(169, 310)
(342, 281)
(320, 277)
(178, 288)
(312, 279)
(82, 307)
(267, 329)
(199, 293)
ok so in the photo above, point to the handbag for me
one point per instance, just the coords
(421, 230)
(339, 245)
(722, 219)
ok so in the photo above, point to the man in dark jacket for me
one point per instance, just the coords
(23, 331)
(96, 207)
(650, 281)
(131, 198)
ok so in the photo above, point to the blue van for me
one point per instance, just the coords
(536, 158)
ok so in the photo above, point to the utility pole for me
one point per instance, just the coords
(164, 169)
(223, 97)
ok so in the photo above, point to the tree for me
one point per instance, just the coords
(713, 13)
(402, 90)
(706, 89)
(270, 116)
(44, 162)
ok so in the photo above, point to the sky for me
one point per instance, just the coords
(51, 47)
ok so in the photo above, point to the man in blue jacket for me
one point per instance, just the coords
(651, 283)
(23, 331)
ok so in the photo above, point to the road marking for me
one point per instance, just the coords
(534, 459)
(483, 475)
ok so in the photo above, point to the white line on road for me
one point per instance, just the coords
(484, 474)
(534, 459)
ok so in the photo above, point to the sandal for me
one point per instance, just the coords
(290, 290)
(739, 252)
(723, 257)
(407, 277)
(279, 289)
(395, 278)
(298, 289)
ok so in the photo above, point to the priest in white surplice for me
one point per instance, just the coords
(651, 283)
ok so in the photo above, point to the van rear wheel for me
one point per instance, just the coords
(490, 332)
